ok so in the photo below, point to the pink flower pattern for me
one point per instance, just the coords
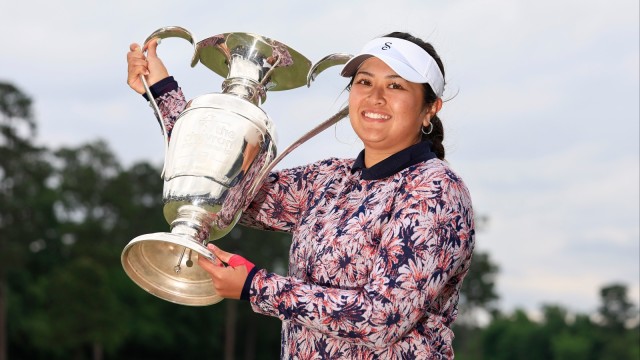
(375, 266)
(171, 105)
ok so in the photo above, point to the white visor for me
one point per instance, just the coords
(407, 59)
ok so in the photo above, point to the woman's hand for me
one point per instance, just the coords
(151, 66)
(227, 280)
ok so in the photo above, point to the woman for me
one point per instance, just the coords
(380, 243)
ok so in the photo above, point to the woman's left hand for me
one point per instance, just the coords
(227, 280)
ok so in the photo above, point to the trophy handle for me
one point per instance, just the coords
(175, 31)
(163, 33)
(325, 63)
(313, 132)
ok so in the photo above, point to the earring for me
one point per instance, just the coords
(430, 129)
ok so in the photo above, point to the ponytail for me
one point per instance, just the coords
(436, 137)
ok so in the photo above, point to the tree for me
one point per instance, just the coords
(555, 318)
(558, 335)
(478, 292)
(564, 341)
(478, 296)
(618, 336)
(77, 311)
(103, 207)
(26, 203)
(616, 310)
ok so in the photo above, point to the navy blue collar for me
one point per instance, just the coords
(399, 161)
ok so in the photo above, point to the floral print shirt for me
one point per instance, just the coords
(377, 257)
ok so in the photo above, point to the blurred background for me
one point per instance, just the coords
(541, 121)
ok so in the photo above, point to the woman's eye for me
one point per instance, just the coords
(363, 82)
(395, 86)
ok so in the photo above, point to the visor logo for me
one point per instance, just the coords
(386, 46)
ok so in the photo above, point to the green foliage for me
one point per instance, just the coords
(26, 206)
(559, 335)
(14, 104)
(515, 337)
(76, 297)
(616, 309)
(478, 290)
(27, 217)
(567, 346)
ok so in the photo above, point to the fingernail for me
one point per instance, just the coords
(158, 42)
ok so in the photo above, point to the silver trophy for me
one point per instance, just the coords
(221, 150)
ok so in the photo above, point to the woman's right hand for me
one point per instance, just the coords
(151, 66)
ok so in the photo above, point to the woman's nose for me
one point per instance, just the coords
(376, 95)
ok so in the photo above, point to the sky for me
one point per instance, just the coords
(541, 109)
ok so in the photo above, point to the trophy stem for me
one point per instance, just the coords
(194, 222)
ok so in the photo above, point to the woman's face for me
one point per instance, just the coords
(386, 111)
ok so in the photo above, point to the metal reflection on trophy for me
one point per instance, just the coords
(221, 148)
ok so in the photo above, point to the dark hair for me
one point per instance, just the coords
(436, 136)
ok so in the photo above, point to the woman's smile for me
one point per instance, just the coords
(375, 116)
(386, 111)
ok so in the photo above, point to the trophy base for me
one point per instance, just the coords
(165, 265)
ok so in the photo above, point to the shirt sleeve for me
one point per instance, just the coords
(424, 251)
(170, 99)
